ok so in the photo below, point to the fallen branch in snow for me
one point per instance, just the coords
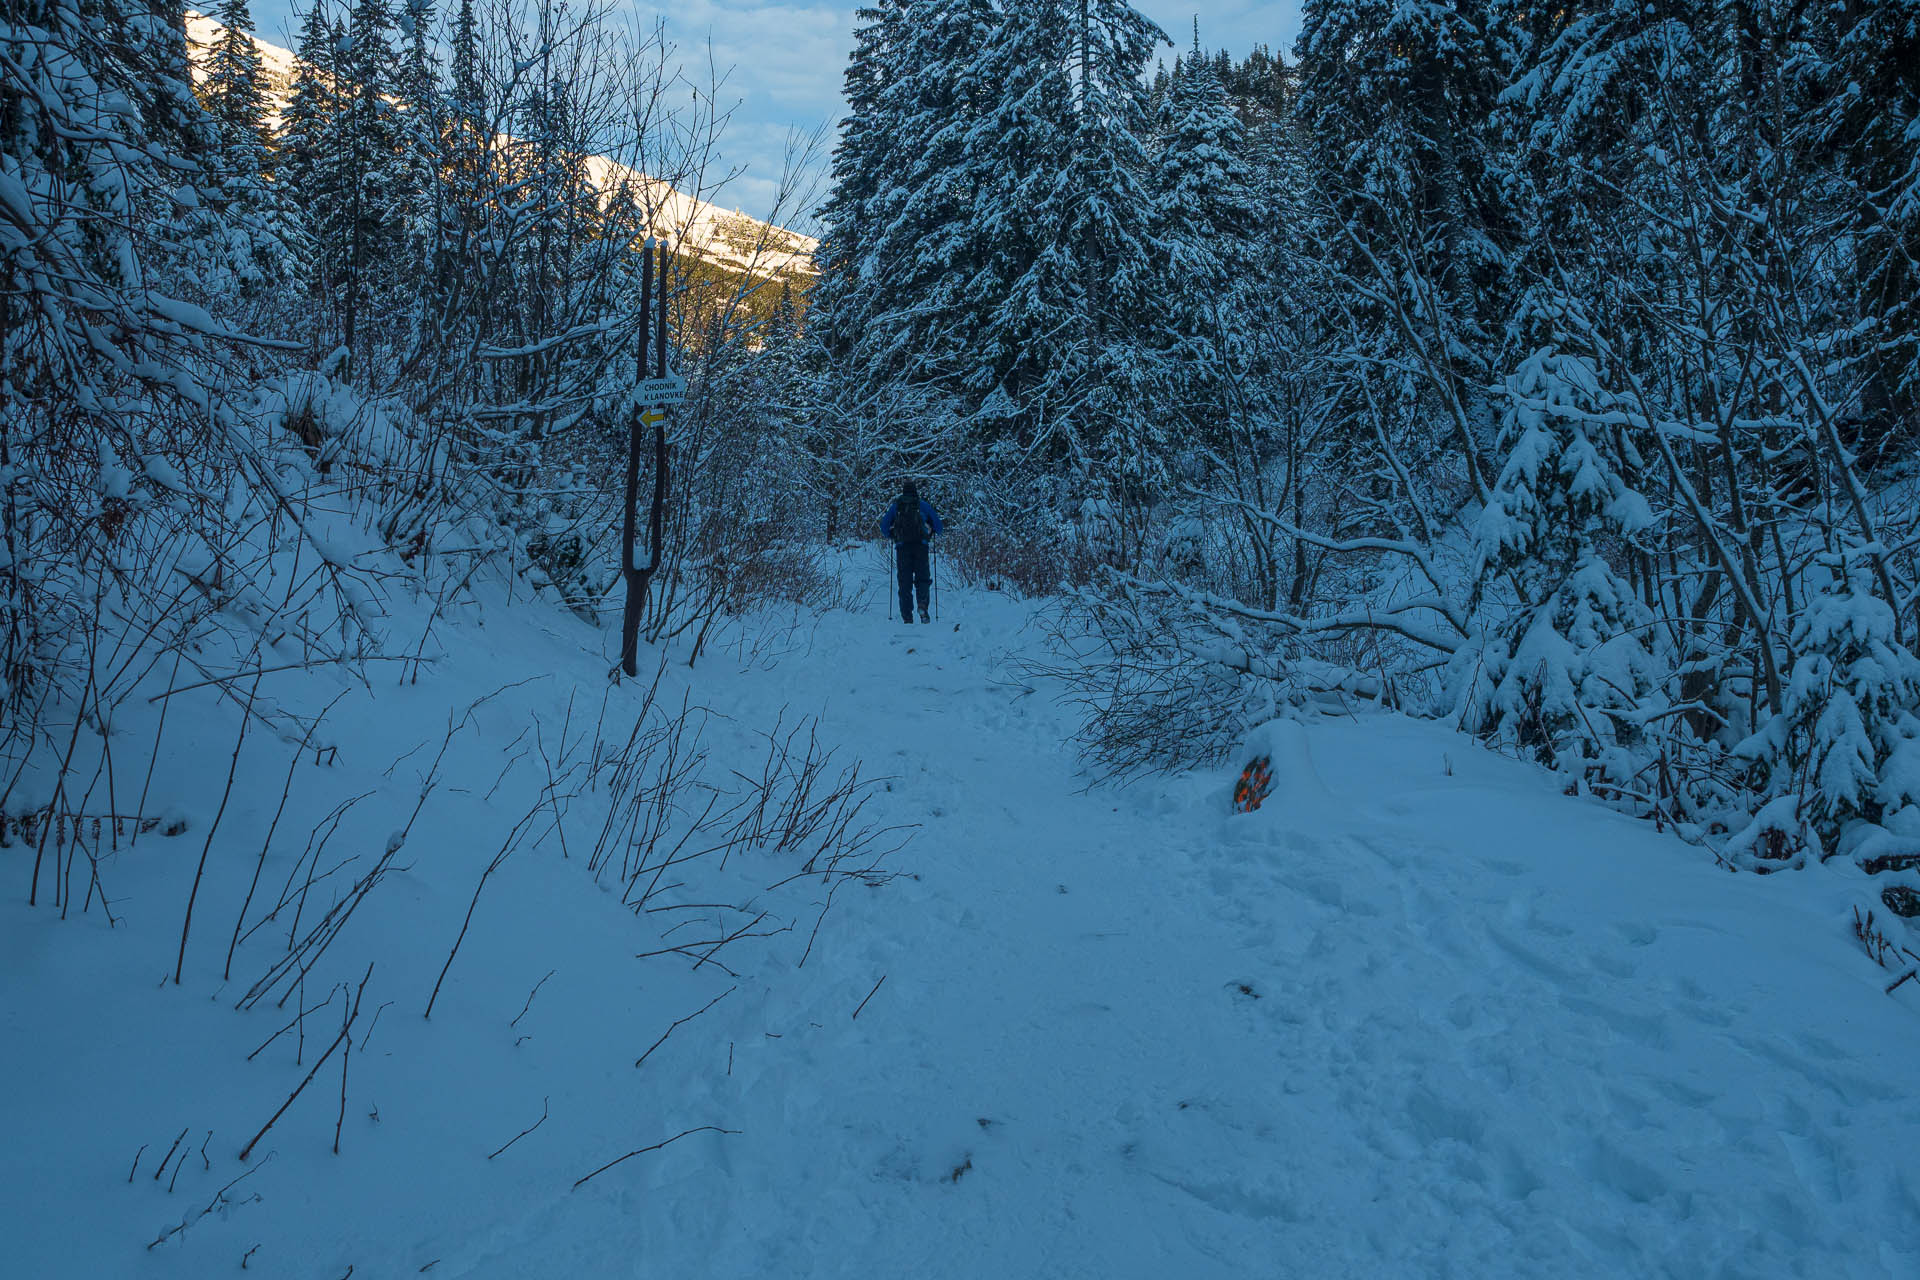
(713, 945)
(870, 995)
(529, 1004)
(301, 959)
(687, 951)
(524, 1132)
(689, 1018)
(219, 1201)
(310, 664)
(705, 1128)
(742, 932)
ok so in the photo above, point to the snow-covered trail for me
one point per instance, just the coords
(1420, 1016)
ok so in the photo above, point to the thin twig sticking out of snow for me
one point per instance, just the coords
(524, 1132)
(689, 1018)
(506, 849)
(870, 995)
(346, 1027)
(530, 995)
(286, 790)
(705, 1128)
(186, 923)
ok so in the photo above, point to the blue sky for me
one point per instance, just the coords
(788, 59)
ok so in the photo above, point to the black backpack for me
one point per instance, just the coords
(909, 525)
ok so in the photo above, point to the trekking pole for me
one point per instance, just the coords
(933, 579)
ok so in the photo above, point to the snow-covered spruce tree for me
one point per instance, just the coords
(265, 242)
(1568, 675)
(457, 293)
(1398, 99)
(906, 285)
(920, 315)
(233, 92)
(861, 172)
(465, 97)
(989, 251)
(1033, 305)
(340, 159)
(1841, 759)
(864, 408)
(1871, 119)
(372, 146)
(1118, 436)
(1058, 357)
(422, 130)
(1286, 300)
(310, 165)
(1204, 220)
(787, 399)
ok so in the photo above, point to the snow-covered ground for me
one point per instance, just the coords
(1419, 1016)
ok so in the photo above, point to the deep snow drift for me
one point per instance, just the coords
(1419, 1016)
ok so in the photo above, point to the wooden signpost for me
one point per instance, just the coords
(658, 387)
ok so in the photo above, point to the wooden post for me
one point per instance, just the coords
(636, 589)
(644, 415)
(660, 324)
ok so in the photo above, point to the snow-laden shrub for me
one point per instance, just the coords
(1569, 676)
(1843, 752)
(1160, 682)
(1166, 677)
(1571, 682)
(1018, 532)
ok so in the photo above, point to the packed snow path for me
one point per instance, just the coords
(1427, 1019)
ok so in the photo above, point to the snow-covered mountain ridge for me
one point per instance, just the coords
(699, 226)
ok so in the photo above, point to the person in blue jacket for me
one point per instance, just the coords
(911, 523)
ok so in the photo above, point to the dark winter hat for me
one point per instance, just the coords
(908, 491)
